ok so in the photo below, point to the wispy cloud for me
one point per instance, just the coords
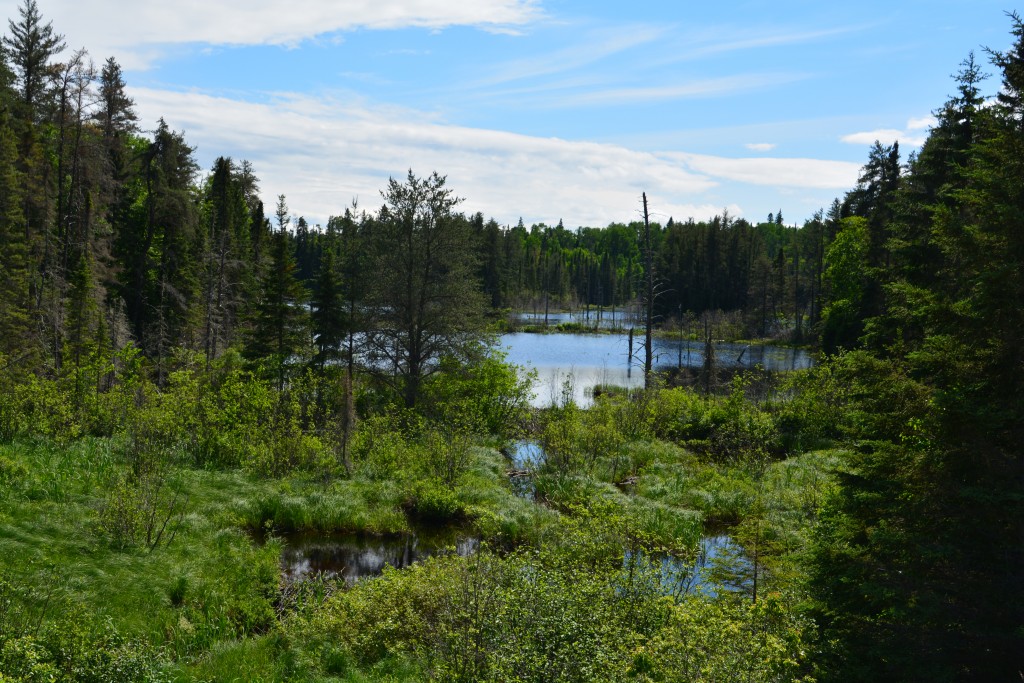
(913, 134)
(322, 153)
(760, 146)
(698, 44)
(775, 172)
(721, 41)
(131, 30)
(712, 87)
(594, 46)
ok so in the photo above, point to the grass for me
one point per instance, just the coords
(209, 603)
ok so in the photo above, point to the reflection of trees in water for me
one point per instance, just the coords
(353, 557)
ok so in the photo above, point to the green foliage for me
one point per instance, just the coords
(727, 428)
(571, 611)
(727, 640)
(36, 407)
(486, 396)
(847, 273)
(142, 509)
(71, 648)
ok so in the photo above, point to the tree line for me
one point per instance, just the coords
(112, 235)
(911, 283)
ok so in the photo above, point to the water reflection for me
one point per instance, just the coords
(524, 457)
(355, 557)
(571, 365)
(721, 564)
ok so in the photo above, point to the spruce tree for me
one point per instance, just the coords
(116, 114)
(917, 565)
(329, 319)
(280, 329)
(16, 339)
(31, 45)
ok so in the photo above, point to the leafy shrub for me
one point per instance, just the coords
(142, 509)
(435, 503)
(488, 396)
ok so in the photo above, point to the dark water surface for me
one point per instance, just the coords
(354, 557)
(720, 563)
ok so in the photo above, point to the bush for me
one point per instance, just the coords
(488, 396)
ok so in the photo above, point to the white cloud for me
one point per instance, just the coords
(596, 45)
(913, 135)
(886, 136)
(129, 30)
(323, 153)
(761, 146)
(923, 123)
(704, 88)
(776, 172)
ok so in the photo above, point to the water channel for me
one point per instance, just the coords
(578, 363)
(719, 564)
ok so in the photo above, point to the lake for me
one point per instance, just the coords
(605, 320)
(579, 362)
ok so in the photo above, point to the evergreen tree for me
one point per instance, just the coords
(157, 244)
(917, 567)
(426, 295)
(31, 45)
(280, 328)
(83, 312)
(329, 319)
(116, 114)
(229, 278)
(16, 339)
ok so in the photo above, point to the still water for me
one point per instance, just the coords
(576, 363)
(355, 557)
(720, 563)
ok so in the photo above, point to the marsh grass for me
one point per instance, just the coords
(210, 583)
(208, 600)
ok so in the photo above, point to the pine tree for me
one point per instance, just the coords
(426, 295)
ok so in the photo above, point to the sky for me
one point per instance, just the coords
(544, 110)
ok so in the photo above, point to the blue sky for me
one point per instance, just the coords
(542, 109)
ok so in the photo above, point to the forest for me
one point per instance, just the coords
(193, 385)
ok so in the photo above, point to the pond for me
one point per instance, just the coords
(355, 557)
(524, 457)
(573, 364)
(720, 563)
